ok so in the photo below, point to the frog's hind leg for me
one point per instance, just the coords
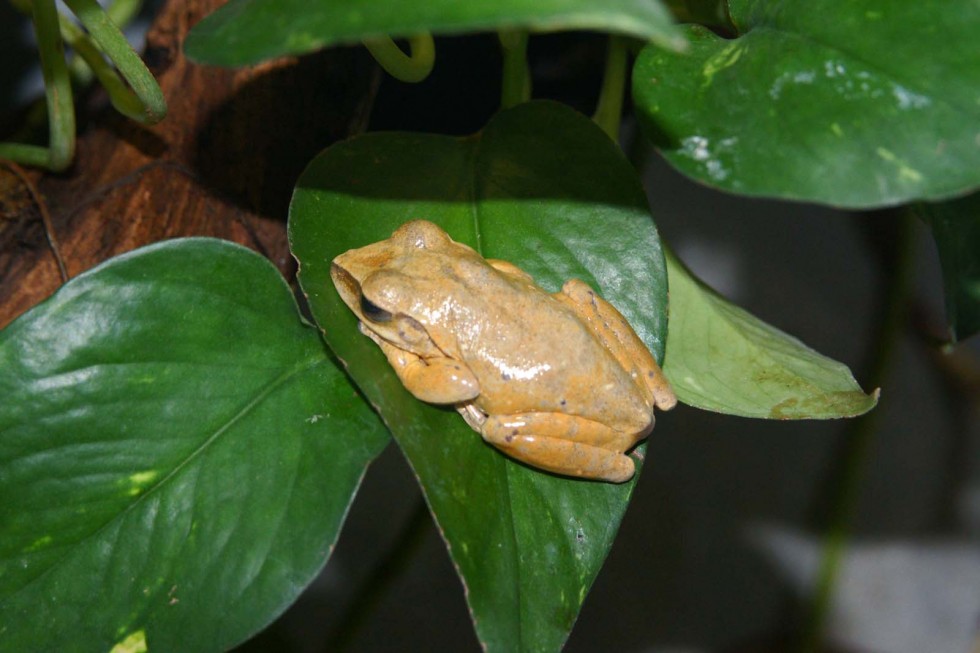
(619, 338)
(563, 444)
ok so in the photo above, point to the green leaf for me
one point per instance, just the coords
(248, 31)
(721, 358)
(956, 229)
(177, 453)
(546, 189)
(858, 104)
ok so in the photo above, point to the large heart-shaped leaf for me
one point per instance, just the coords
(956, 229)
(721, 358)
(544, 188)
(859, 103)
(177, 453)
(248, 31)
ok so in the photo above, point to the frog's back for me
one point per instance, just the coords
(534, 354)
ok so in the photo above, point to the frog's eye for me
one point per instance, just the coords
(373, 312)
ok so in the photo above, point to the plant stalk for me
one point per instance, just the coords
(113, 43)
(411, 68)
(610, 106)
(121, 13)
(61, 144)
(516, 82)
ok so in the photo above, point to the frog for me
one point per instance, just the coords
(558, 381)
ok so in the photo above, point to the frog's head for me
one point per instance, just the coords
(392, 286)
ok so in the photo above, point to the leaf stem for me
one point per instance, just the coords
(404, 67)
(121, 13)
(152, 107)
(516, 82)
(61, 145)
(610, 106)
(384, 574)
(90, 61)
(858, 441)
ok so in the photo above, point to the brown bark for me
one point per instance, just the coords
(223, 163)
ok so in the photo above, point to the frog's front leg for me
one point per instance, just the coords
(437, 380)
(564, 444)
(619, 338)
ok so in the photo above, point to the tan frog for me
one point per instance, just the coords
(559, 381)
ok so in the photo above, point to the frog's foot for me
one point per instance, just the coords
(619, 338)
(563, 444)
(473, 416)
(434, 380)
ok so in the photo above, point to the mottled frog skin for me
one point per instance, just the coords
(558, 381)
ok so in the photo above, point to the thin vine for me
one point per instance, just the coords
(516, 81)
(136, 94)
(609, 109)
(411, 68)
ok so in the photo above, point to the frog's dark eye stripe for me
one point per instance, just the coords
(374, 312)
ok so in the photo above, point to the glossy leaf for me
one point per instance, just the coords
(546, 189)
(177, 453)
(956, 229)
(856, 104)
(248, 31)
(721, 358)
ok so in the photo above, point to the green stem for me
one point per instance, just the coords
(610, 106)
(404, 67)
(121, 13)
(111, 41)
(61, 146)
(858, 441)
(122, 98)
(406, 544)
(88, 61)
(516, 83)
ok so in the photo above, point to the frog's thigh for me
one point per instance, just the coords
(435, 380)
(619, 337)
(564, 444)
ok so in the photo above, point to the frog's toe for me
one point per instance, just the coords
(621, 469)
(579, 290)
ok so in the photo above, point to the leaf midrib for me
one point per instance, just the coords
(504, 466)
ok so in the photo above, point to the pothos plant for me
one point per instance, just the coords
(179, 447)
